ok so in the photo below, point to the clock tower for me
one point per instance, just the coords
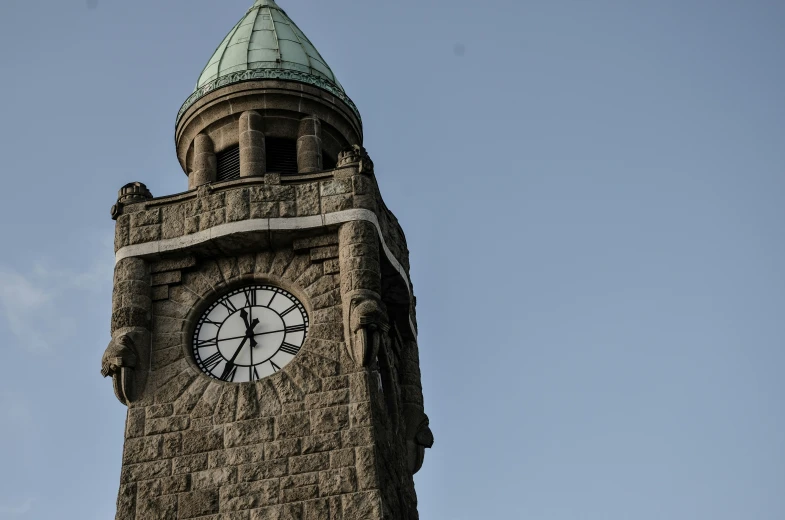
(264, 336)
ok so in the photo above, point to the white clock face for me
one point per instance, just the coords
(250, 333)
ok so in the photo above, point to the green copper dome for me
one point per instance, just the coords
(266, 44)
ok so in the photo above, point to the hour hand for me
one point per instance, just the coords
(244, 316)
(250, 332)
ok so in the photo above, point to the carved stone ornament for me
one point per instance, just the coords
(367, 324)
(129, 194)
(120, 361)
(356, 154)
(418, 437)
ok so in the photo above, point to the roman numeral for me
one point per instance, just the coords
(229, 306)
(287, 311)
(250, 297)
(253, 375)
(289, 348)
(295, 328)
(211, 322)
(276, 368)
(213, 361)
(204, 343)
(271, 299)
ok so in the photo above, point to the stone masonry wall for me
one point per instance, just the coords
(270, 196)
(297, 445)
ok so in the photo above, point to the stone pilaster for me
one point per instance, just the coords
(205, 163)
(309, 145)
(252, 149)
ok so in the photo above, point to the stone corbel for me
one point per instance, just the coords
(120, 361)
(367, 324)
(418, 437)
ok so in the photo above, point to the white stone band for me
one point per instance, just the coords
(267, 224)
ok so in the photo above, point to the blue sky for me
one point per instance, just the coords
(594, 199)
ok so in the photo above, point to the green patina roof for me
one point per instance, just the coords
(266, 44)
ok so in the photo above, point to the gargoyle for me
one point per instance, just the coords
(120, 361)
(418, 437)
(356, 154)
(367, 322)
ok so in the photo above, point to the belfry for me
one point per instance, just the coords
(264, 336)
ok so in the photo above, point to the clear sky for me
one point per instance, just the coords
(594, 199)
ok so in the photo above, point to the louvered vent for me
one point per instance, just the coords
(281, 155)
(229, 164)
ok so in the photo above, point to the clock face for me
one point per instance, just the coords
(250, 333)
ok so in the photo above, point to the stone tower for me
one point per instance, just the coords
(263, 324)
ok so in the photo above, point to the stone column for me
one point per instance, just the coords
(127, 356)
(365, 317)
(309, 145)
(252, 151)
(205, 163)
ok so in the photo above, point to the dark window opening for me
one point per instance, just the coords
(229, 164)
(328, 163)
(281, 155)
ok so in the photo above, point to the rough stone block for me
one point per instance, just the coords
(307, 199)
(159, 508)
(337, 481)
(342, 458)
(265, 210)
(299, 494)
(293, 425)
(302, 480)
(287, 209)
(172, 221)
(336, 187)
(159, 293)
(167, 424)
(332, 266)
(357, 437)
(327, 399)
(249, 495)
(145, 234)
(324, 253)
(134, 422)
(309, 463)
(264, 470)
(166, 278)
(146, 218)
(281, 449)
(362, 506)
(189, 464)
(367, 476)
(337, 203)
(145, 471)
(282, 512)
(236, 456)
(237, 207)
(213, 478)
(198, 503)
(199, 441)
(142, 449)
(249, 432)
(360, 414)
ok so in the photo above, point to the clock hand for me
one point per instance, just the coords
(248, 335)
(249, 332)
(230, 364)
(244, 316)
